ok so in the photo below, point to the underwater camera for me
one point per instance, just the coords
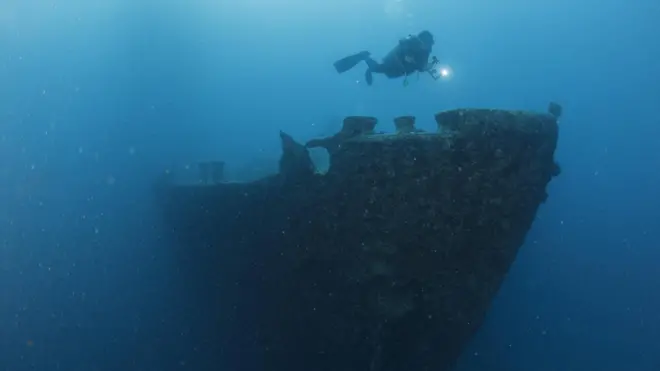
(438, 71)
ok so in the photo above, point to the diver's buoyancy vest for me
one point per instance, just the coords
(395, 59)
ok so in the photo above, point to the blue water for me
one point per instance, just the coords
(98, 97)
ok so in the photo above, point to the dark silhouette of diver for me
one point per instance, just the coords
(409, 56)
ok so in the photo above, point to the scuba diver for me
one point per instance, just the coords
(409, 56)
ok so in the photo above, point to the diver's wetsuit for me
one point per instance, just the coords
(409, 56)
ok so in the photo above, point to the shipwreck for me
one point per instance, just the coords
(386, 262)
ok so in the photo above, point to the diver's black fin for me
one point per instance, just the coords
(369, 77)
(351, 61)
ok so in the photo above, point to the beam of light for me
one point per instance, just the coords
(444, 72)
